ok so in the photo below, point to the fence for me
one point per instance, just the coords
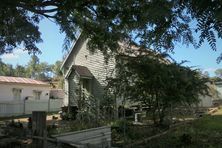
(15, 108)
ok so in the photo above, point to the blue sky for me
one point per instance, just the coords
(51, 46)
(203, 58)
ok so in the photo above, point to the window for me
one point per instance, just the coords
(85, 84)
(85, 87)
(37, 94)
(17, 93)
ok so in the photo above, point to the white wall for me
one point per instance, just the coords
(6, 93)
(14, 108)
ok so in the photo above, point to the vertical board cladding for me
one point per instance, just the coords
(98, 67)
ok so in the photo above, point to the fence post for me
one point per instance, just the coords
(38, 128)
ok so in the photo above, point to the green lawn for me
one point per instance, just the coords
(203, 132)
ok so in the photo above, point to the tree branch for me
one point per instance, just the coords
(38, 11)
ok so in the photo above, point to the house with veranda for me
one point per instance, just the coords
(20, 96)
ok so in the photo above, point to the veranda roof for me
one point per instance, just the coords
(21, 80)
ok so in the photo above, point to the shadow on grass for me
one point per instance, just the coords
(203, 132)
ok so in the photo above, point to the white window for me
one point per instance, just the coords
(37, 94)
(17, 93)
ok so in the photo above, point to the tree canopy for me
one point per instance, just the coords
(34, 69)
(157, 84)
(157, 24)
(218, 72)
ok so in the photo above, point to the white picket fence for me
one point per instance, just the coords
(15, 108)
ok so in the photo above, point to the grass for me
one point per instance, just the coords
(203, 132)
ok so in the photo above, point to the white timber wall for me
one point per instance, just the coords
(11, 107)
(6, 91)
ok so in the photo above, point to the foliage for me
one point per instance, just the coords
(204, 132)
(158, 24)
(15, 129)
(34, 69)
(5, 69)
(216, 79)
(157, 84)
(218, 73)
(132, 132)
(88, 108)
(56, 69)
(73, 125)
(108, 104)
(20, 71)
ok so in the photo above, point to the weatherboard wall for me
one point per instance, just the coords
(95, 62)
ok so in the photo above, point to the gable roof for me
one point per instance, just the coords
(125, 49)
(71, 50)
(21, 80)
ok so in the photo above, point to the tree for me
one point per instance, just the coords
(218, 73)
(156, 83)
(152, 23)
(35, 69)
(6, 69)
(44, 71)
(57, 74)
(32, 67)
(20, 71)
(39, 70)
(56, 69)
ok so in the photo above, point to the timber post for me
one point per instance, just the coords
(39, 128)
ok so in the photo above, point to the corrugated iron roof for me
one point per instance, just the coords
(83, 71)
(20, 80)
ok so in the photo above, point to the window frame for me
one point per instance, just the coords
(17, 93)
(37, 94)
